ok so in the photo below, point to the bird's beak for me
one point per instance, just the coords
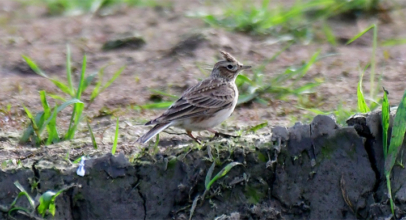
(245, 67)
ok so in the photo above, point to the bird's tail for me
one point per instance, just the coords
(151, 133)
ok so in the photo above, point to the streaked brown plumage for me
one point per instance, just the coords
(204, 105)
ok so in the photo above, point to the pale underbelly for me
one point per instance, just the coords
(192, 125)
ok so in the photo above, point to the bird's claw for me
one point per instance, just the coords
(219, 134)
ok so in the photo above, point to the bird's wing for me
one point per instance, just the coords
(206, 98)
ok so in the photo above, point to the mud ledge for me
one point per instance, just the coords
(308, 171)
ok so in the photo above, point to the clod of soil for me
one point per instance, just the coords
(125, 40)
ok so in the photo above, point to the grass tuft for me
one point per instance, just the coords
(101, 7)
(281, 86)
(297, 20)
(396, 140)
(48, 117)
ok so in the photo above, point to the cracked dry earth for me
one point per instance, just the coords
(317, 170)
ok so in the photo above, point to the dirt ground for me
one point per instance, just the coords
(167, 64)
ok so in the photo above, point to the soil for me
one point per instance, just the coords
(319, 170)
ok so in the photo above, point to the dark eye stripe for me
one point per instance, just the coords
(231, 71)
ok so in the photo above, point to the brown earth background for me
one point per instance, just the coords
(166, 63)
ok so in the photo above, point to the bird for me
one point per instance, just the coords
(204, 105)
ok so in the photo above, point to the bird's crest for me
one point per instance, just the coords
(228, 56)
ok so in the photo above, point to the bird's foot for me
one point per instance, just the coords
(219, 134)
(189, 133)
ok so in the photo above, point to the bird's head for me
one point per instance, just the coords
(228, 68)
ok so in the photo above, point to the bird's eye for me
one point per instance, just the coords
(230, 67)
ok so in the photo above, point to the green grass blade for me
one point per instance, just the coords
(77, 109)
(21, 188)
(113, 149)
(33, 124)
(115, 76)
(91, 135)
(385, 122)
(329, 34)
(373, 62)
(75, 119)
(157, 92)
(388, 186)
(362, 105)
(44, 102)
(27, 134)
(34, 66)
(18, 208)
(392, 42)
(244, 98)
(44, 202)
(64, 88)
(57, 97)
(47, 111)
(209, 175)
(30, 130)
(310, 63)
(97, 88)
(257, 127)
(67, 103)
(37, 70)
(222, 173)
(241, 78)
(53, 135)
(360, 34)
(69, 71)
(82, 79)
(308, 87)
(77, 160)
(159, 105)
(398, 133)
(46, 118)
(68, 134)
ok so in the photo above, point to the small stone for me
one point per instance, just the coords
(131, 40)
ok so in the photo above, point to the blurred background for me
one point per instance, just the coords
(302, 64)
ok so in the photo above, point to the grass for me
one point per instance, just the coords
(363, 106)
(399, 123)
(209, 181)
(374, 27)
(77, 7)
(260, 90)
(341, 113)
(45, 203)
(398, 132)
(113, 149)
(22, 192)
(48, 117)
(282, 85)
(296, 21)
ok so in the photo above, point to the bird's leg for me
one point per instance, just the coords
(189, 133)
(219, 134)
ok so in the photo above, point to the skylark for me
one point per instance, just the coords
(204, 105)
